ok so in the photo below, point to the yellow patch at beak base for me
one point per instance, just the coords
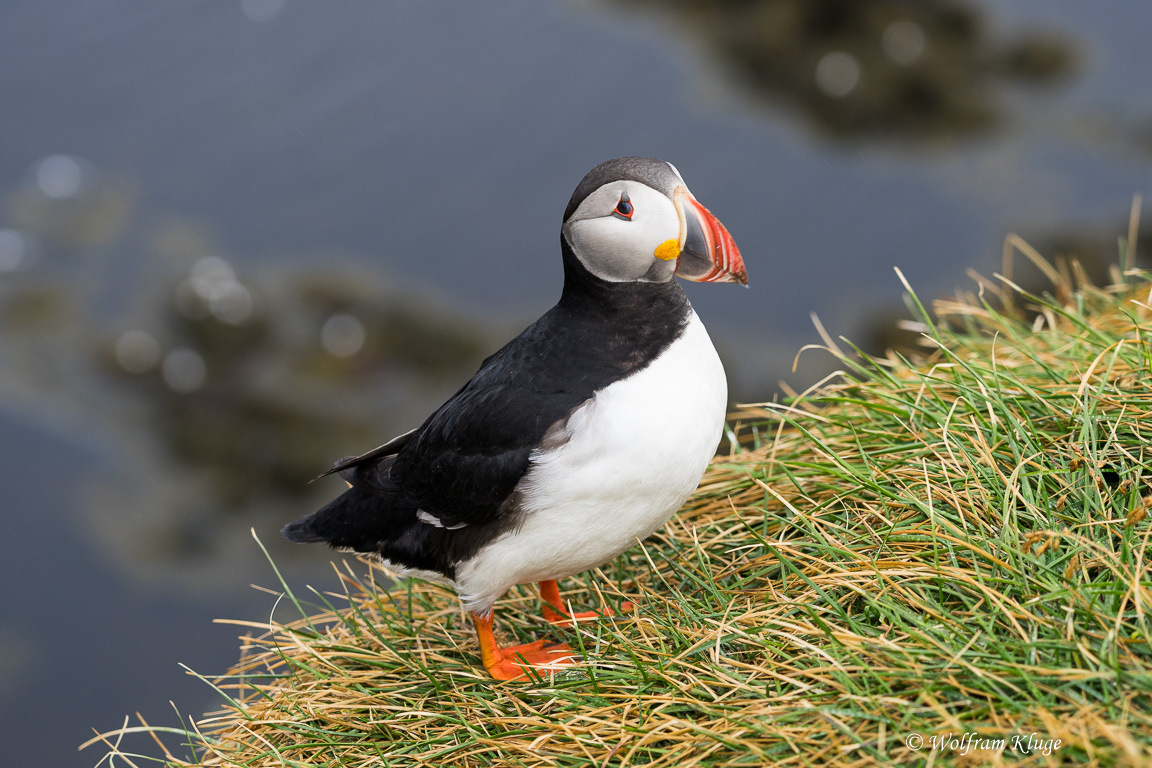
(667, 250)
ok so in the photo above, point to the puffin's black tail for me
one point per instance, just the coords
(356, 519)
(301, 531)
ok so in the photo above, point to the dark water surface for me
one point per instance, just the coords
(241, 239)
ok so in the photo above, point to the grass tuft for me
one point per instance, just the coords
(954, 543)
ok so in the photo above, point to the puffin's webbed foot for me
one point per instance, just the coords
(511, 662)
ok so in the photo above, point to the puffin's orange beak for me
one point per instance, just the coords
(708, 254)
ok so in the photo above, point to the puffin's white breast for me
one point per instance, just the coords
(634, 453)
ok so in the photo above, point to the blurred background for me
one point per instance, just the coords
(241, 239)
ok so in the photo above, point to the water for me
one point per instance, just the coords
(239, 240)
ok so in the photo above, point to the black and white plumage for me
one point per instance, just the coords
(583, 434)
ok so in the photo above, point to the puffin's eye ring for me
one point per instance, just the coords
(623, 209)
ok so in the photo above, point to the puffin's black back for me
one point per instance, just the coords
(463, 463)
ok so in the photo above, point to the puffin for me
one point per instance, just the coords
(578, 438)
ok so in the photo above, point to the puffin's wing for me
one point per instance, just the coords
(462, 466)
(390, 448)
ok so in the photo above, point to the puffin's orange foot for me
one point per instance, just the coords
(513, 662)
(555, 611)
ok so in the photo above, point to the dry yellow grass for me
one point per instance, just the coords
(951, 545)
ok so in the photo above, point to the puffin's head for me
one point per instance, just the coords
(633, 219)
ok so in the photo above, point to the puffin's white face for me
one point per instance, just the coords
(626, 231)
(632, 219)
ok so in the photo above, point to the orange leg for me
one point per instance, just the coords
(556, 612)
(509, 663)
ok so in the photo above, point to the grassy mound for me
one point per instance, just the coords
(951, 548)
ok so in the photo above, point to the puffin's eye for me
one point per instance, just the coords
(623, 208)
